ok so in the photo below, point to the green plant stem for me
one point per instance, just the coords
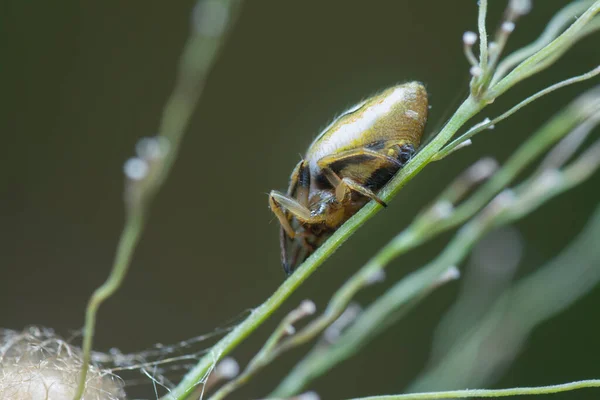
(546, 56)
(420, 232)
(469, 108)
(130, 236)
(533, 147)
(562, 18)
(464, 113)
(424, 228)
(483, 126)
(196, 62)
(262, 357)
(198, 56)
(534, 299)
(471, 393)
(470, 233)
(323, 357)
(483, 39)
(318, 362)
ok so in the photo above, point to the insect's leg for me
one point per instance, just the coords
(362, 190)
(298, 189)
(280, 203)
(280, 214)
(356, 155)
(344, 185)
(301, 176)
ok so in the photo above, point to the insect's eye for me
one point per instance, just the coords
(404, 156)
(406, 152)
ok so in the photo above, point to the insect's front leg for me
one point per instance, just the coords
(280, 203)
(296, 200)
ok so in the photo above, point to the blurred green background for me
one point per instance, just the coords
(83, 81)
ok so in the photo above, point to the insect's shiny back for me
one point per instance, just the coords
(346, 165)
(395, 114)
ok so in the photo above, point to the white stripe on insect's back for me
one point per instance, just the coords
(348, 111)
(345, 134)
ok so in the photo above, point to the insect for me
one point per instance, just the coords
(345, 167)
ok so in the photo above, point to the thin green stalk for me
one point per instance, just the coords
(483, 126)
(458, 248)
(260, 314)
(562, 18)
(536, 298)
(262, 358)
(198, 56)
(546, 56)
(472, 393)
(323, 356)
(424, 227)
(130, 236)
(483, 39)
(533, 147)
(465, 112)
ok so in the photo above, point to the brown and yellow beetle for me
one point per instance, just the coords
(345, 167)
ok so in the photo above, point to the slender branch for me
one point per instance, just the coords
(471, 393)
(263, 357)
(488, 123)
(260, 314)
(427, 225)
(530, 197)
(483, 39)
(489, 59)
(578, 111)
(149, 171)
(508, 212)
(556, 25)
(534, 299)
(469, 39)
(130, 236)
(379, 312)
(546, 56)
(470, 107)
(404, 296)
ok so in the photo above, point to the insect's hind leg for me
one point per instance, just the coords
(344, 185)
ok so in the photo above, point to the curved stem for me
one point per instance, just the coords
(467, 109)
(553, 29)
(198, 57)
(486, 124)
(471, 393)
(424, 228)
(483, 39)
(546, 56)
(127, 243)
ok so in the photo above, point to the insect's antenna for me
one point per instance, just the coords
(272, 217)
